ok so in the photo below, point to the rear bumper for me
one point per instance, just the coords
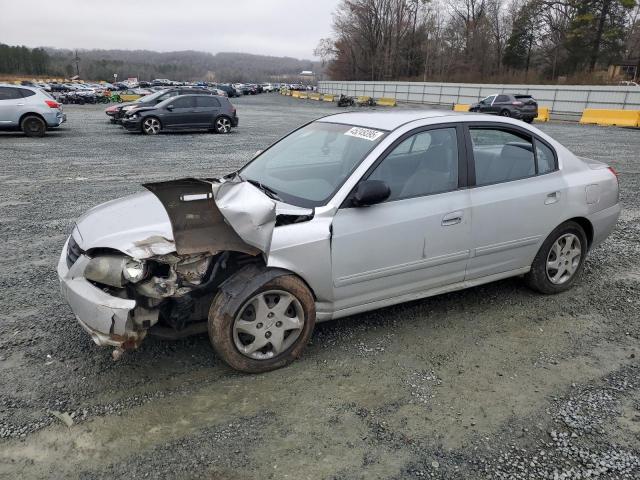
(603, 223)
(55, 118)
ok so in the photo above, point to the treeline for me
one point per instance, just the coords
(23, 60)
(147, 65)
(480, 40)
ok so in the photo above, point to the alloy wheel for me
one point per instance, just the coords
(268, 324)
(223, 125)
(151, 126)
(564, 258)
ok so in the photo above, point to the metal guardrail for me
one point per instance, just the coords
(568, 100)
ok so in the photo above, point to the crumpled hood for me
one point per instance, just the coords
(137, 225)
(187, 216)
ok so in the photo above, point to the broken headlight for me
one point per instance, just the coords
(134, 270)
(115, 270)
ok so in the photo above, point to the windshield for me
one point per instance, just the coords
(308, 166)
(149, 98)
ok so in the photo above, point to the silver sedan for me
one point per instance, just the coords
(346, 214)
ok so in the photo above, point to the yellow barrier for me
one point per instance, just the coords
(386, 102)
(295, 93)
(129, 97)
(543, 114)
(621, 118)
(315, 96)
(461, 107)
(328, 98)
(303, 95)
(362, 100)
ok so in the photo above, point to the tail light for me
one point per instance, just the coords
(517, 104)
(52, 104)
(613, 170)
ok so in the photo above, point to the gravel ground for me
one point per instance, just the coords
(492, 382)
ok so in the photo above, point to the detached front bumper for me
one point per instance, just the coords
(105, 317)
(132, 124)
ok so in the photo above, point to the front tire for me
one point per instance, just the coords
(151, 126)
(505, 113)
(269, 329)
(33, 126)
(559, 261)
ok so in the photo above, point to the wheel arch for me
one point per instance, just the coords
(32, 114)
(587, 226)
(250, 277)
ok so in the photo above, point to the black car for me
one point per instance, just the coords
(230, 91)
(184, 112)
(117, 112)
(522, 107)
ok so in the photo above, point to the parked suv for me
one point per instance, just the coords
(117, 112)
(184, 112)
(29, 109)
(522, 107)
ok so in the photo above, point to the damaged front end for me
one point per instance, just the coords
(122, 284)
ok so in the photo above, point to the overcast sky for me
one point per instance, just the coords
(272, 27)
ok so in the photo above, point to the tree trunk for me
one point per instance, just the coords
(595, 51)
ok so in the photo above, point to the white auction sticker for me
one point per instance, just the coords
(364, 133)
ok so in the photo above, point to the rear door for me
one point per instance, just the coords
(518, 197)
(11, 106)
(180, 112)
(207, 109)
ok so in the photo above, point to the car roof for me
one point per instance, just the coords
(386, 120)
(28, 87)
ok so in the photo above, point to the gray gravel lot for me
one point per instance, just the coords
(492, 382)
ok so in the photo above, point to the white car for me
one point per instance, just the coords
(349, 213)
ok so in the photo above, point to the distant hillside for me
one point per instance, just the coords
(186, 65)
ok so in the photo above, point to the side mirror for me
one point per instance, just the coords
(370, 192)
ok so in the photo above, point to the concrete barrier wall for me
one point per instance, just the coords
(562, 100)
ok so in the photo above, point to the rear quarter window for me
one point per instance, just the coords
(26, 93)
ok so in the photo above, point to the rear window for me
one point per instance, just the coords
(208, 101)
(524, 98)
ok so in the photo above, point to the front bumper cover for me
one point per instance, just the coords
(103, 316)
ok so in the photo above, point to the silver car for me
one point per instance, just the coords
(349, 213)
(29, 109)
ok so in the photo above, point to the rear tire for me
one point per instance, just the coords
(222, 125)
(243, 337)
(33, 126)
(528, 120)
(559, 261)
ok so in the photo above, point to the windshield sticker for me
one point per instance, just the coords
(364, 133)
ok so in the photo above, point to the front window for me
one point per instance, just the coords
(424, 164)
(308, 166)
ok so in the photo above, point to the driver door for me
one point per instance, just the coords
(486, 105)
(182, 112)
(416, 240)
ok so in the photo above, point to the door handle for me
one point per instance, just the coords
(553, 197)
(452, 218)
